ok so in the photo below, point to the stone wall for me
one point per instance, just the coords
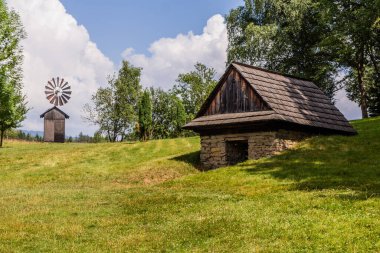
(260, 144)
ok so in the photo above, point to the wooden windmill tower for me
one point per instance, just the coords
(58, 93)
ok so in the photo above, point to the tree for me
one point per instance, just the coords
(314, 39)
(161, 100)
(12, 102)
(287, 36)
(97, 138)
(115, 107)
(373, 91)
(168, 114)
(145, 116)
(38, 138)
(178, 115)
(357, 41)
(194, 87)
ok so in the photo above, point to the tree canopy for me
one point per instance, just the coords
(356, 39)
(334, 43)
(194, 87)
(115, 108)
(145, 116)
(12, 102)
(169, 114)
(123, 110)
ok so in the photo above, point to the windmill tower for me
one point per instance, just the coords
(57, 93)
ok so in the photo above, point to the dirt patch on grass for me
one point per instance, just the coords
(153, 174)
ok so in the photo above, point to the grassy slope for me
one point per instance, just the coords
(322, 196)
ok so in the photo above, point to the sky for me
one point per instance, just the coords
(84, 41)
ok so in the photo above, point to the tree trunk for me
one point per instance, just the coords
(363, 93)
(1, 138)
(109, 136)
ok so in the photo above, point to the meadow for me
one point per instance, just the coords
(321, 196)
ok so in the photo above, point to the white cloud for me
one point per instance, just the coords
(57, 46)
(172, 56)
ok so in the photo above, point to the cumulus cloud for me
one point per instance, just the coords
(57, 46)
(172, 56)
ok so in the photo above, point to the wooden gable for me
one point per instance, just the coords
(233, 94)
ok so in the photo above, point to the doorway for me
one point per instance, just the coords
(236, 151)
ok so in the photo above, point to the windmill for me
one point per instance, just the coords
(58, 93)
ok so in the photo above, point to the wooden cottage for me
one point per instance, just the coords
(54, 125)
(253, 112)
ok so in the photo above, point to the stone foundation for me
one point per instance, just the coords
(260, 144)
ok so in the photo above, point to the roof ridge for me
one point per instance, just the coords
(55, 107)
(271, 71)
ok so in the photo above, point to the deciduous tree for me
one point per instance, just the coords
(194, 87)
(316, 39)
(357, 41)
(288, 36)
(168, 114)
(12, 102)
(115, 107)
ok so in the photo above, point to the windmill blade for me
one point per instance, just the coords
(48, 88)
(48, 92)
(56, 101)
(52, 100)
(49, 97)
(67, 92)
(55, 85)
(64, 85)
(60, 101)
(67, 88)
(62, 80)
(66, 96)
(51, 85)
(64, 99)
(57, 81)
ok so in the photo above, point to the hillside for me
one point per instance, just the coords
(322, 196)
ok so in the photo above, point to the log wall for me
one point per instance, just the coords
(235, 95)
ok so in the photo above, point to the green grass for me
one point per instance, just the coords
(322, 196)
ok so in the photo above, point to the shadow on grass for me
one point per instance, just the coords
(190, 158)
(334, 162)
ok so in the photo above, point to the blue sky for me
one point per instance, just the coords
(117, 24)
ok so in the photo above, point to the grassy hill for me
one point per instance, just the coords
(322, 196)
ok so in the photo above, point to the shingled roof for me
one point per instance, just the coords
(288, 99)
